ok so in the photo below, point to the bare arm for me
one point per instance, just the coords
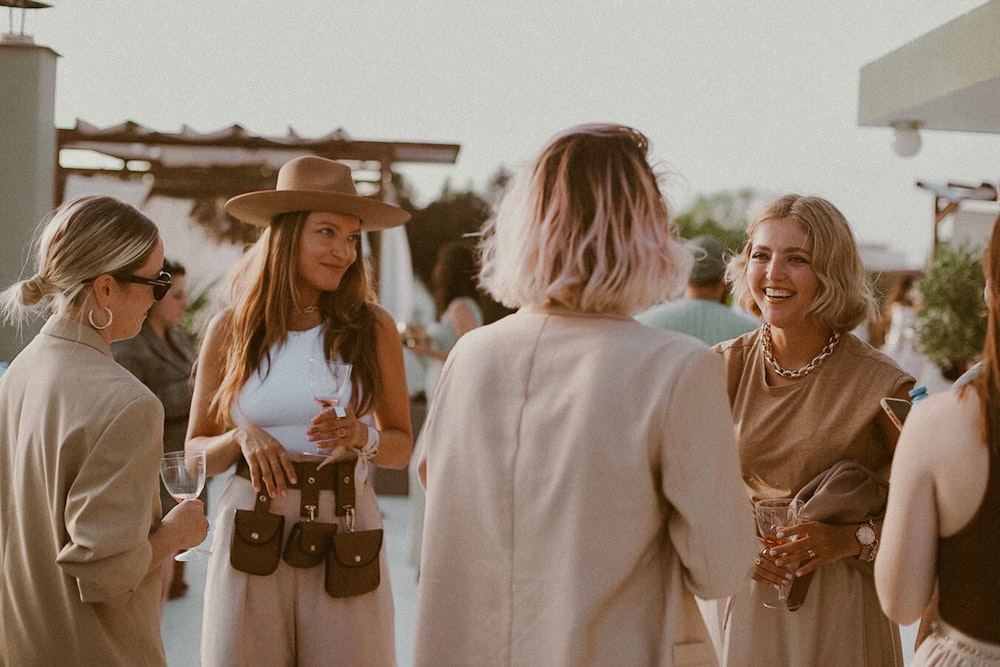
(462, 321)
(392, 409)
(905, 570)
(269, 465)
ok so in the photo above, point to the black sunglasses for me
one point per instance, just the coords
(160, 284)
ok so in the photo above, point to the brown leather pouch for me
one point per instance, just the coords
(308, 543)
(352, 566)
(255, 546)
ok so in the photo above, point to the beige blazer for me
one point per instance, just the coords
(79, 466)
(582, 488)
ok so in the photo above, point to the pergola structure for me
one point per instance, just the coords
(209, 168)
(232, 161)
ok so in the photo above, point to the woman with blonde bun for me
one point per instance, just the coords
(81, 534)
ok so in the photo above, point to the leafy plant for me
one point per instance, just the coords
(194, 318)
(951, 327)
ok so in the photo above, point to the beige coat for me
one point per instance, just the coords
(582, 488)
(79, 461)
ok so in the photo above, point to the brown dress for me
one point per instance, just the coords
(787, 435)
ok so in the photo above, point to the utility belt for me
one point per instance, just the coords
(351, 558)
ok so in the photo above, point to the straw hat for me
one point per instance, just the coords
(312, 183)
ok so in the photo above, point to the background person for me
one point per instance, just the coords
(702, 311)
(942, 525)
(301, 292)
(805, 395)
(81, 538)
(162, 357)
(580, 467)
(458, 312)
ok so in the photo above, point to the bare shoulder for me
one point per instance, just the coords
(383, 318)
(941, 438)
(217, 327)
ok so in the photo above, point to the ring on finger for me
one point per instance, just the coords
(341, 432)
(812, 554)
(757, 560)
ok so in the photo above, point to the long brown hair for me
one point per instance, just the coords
(264, 292)
(987, 382)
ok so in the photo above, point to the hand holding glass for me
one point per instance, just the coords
(773, 514)
(328, 380)
(183, 474)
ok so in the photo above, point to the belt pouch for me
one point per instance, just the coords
(352, 566)
(255, 547)
(308, 543)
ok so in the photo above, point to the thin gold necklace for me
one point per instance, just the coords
(304, 311)
(765, 344)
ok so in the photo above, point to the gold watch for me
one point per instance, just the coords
(868, 538)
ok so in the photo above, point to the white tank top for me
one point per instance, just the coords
(282, 402)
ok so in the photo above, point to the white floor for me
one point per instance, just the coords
(181, 622)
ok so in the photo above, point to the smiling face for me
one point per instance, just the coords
(780, 274)
(328, 246)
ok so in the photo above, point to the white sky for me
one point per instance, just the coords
(759, 94)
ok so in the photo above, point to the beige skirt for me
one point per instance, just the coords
(947, 647)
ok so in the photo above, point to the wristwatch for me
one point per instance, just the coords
(868, 539)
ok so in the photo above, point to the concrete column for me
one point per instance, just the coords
(27, 161)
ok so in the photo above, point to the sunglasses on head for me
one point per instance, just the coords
(160, 284)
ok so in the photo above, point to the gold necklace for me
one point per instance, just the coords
(765, 344)
(304, 311)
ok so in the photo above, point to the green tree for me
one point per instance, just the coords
(951, 327)
(722, 214)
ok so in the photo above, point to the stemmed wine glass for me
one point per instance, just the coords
(772, 515)
(183, 475)
(328, 380)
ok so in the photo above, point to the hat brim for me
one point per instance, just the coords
(259, 208)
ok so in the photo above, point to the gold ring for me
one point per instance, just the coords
(812, 554)
(757, 560)
(341, 432)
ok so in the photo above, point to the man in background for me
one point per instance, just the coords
(702, 312)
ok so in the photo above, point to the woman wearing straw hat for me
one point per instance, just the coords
(300, 293)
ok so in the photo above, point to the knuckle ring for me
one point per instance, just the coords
(812, 554)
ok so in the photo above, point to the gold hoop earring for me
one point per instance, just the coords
(111, 318)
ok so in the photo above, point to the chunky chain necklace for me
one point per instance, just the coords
(765, 344)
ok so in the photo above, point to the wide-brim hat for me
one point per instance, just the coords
(312, 183)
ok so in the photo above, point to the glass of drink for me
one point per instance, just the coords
(183, 475)
(773, 514)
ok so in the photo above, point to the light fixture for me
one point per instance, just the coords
(906, 138)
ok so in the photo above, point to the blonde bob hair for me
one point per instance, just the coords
(844, 298)
(585, 227)
(83, 239)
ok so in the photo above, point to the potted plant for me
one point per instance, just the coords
(950, 328)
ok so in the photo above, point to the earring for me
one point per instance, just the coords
(111, 318)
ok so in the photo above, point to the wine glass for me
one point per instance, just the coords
(328, 380)
(183, 475)
(772, 515)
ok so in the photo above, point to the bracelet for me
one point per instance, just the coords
(370, 450)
